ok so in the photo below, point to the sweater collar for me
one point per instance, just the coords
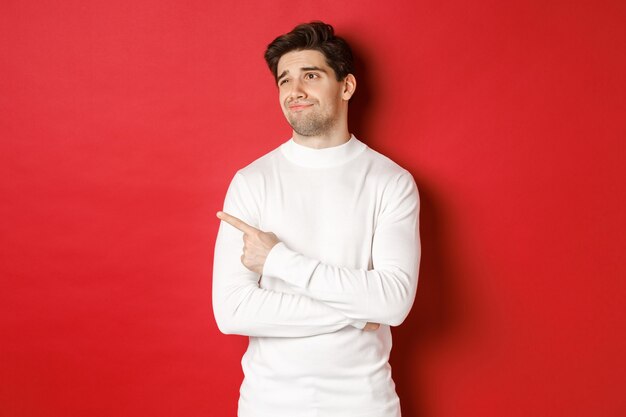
(322, 158)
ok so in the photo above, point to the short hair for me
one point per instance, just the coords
(317, 36)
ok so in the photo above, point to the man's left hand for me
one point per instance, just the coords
(257, 244)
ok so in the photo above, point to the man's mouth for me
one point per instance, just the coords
(299, 106)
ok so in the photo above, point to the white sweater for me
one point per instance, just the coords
(347, 218)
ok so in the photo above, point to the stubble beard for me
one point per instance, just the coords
(313, 124)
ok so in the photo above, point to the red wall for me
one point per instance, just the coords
(122, 122)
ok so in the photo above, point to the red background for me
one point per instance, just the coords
(122, 123)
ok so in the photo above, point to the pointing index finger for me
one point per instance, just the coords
(235, 222)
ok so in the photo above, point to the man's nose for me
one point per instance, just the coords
(297, 89)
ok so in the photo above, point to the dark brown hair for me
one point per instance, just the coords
(317, 36)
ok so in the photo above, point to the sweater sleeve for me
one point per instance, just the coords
(241, 306)
(383, 294)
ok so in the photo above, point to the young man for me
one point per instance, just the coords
(330, 249)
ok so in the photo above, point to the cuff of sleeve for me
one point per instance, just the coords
(359, 324)
(288, 265)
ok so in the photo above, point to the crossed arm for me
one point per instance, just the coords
(257, 246)
(330, 298)
(242, 307)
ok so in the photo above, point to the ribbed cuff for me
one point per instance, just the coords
(290, 266)
(359, 324)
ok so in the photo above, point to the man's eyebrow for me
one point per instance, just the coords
(313, 69)
(285, 72)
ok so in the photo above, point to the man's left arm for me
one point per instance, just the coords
(383, 294)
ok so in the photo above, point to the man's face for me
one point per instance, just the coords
(310, 95)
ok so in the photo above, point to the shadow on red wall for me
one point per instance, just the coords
(438, 308)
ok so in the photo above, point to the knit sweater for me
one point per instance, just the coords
(347, 219)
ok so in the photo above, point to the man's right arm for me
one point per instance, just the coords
(242, 307)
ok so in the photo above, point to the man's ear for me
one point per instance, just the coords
(349, 86)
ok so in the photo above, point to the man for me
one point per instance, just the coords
(330, 249)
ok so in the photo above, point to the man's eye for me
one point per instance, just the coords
(311, 76)
(281, 82)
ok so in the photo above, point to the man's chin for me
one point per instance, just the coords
(304, 127)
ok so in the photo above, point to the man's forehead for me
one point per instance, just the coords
(294, 60)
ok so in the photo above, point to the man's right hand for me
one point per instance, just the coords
(370, 327)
